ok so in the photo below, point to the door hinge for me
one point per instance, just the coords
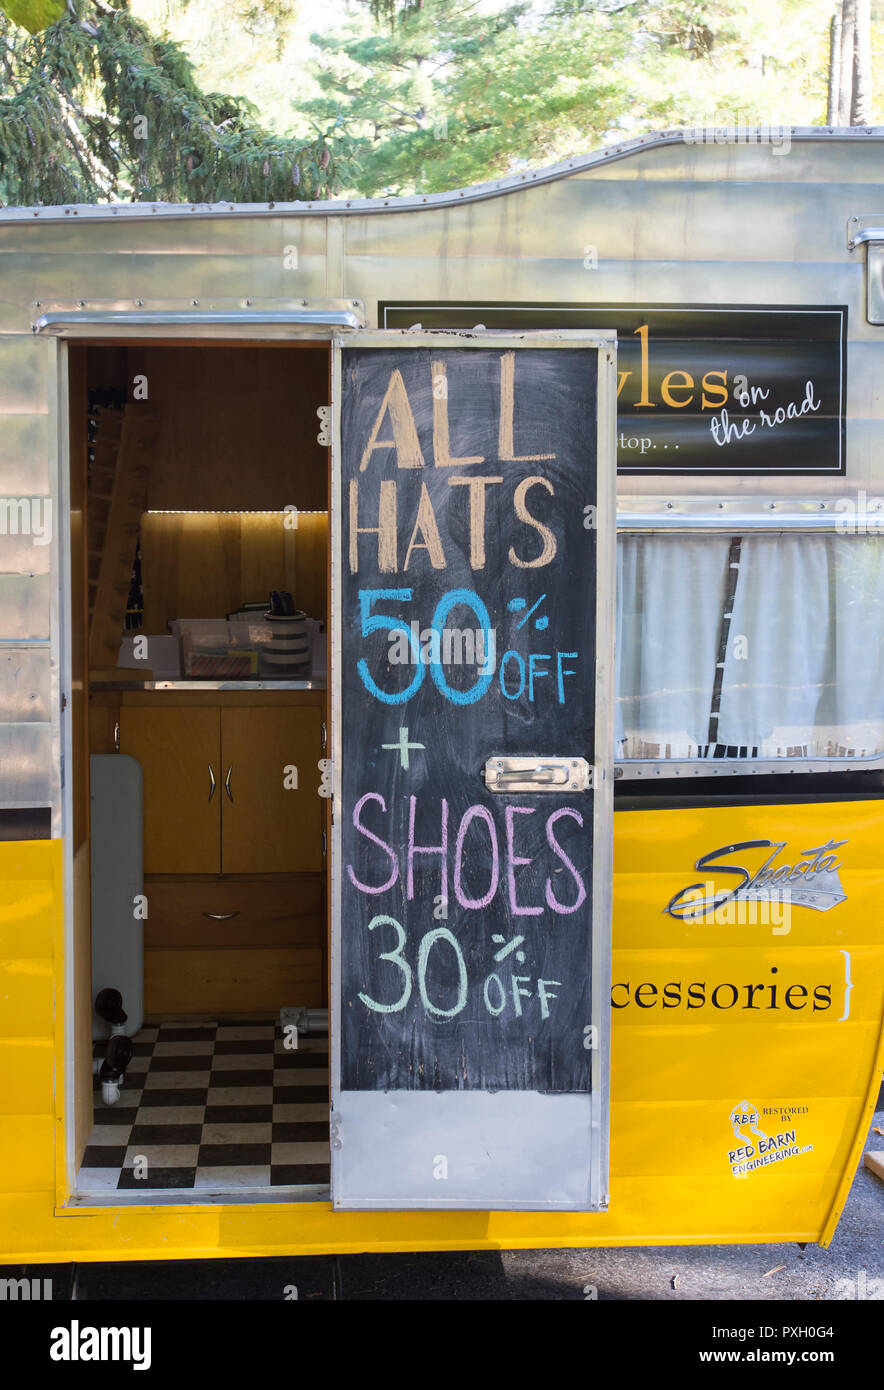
(324, 413)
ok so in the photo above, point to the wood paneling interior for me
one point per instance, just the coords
(236, 444)
(123, 454)
(238, 426)
(182, 816)
(205, 566)
(104, 713)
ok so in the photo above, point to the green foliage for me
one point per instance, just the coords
(404, 96)
(33, 15)
(96, 108)
(446, 93)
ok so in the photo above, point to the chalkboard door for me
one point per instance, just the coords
(472, 744)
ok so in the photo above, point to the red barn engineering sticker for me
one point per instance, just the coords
(758, 1149)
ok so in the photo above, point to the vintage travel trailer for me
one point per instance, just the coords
(442, 710)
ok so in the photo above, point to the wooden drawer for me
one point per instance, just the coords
(184, 983)
(268, 912)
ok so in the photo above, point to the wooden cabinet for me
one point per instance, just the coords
(179, 751)
(271, 819)
(228, 790)
(233, 856)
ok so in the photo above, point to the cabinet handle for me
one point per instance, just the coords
(227, 783)
(220, 916)
(117, 737)
(211, 782)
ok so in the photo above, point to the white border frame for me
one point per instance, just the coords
(58, 378)
(605, 345)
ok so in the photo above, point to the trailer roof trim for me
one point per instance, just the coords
(87, 212)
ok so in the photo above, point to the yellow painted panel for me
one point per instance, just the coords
(26, 1077)
(30, 915)
(26, 998)
(650, 1061)
(691, 1212)
(688, 1086)
(27, 1154)
(25, 912)
(795, 1210)
(694, 1138)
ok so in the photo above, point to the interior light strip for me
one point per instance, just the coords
(232, 511)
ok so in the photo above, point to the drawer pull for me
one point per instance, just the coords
(220, 916)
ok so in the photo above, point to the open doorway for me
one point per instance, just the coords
(199, 548)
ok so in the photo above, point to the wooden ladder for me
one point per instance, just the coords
(121, 457)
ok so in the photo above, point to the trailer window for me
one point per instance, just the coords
(760, 647)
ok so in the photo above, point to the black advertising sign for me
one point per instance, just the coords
(468, 632)
(747, 389)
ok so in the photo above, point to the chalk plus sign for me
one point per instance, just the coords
(402, 747)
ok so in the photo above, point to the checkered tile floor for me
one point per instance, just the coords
(213, 1107)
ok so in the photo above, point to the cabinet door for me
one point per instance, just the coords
(179, 753)
(269, 825)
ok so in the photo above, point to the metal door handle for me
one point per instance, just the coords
(544, 774)
(117, 737)
(227, 783)
(538, 774)
(211, 782)
(220, 916)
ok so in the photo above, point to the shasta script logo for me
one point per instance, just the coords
(809, 880)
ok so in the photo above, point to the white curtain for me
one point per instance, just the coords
(670, 595)
(779, 645)
(800, 641)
